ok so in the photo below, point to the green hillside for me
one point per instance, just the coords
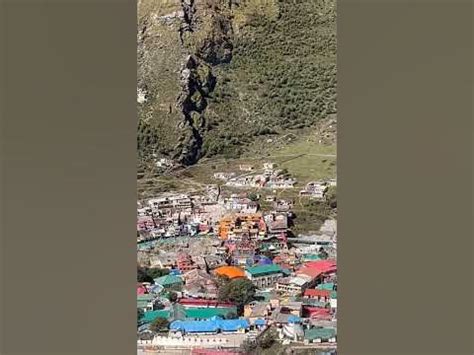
(219, 76)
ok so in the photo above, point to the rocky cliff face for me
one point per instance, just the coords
(213, 74)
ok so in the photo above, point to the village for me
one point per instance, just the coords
(223, 269)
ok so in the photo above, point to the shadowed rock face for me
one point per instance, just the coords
(214, 74)
(205, 41)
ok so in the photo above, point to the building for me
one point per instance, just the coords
(320, 295)
(204, 303)
(264, 275)
(235, 225)
(319, 270)
(145, 223)
(169, 281)
(246, 167)
(145, 302)
(232, 272)
(319, 335)
(185, 262)
(150, 316)
(277, 225)
(179, 202)
(199, 284)
(204, 313)
(269, 166)
(281, 183)
(223, 176)
(211, 326)
(316, 189)
(256, 310)
(293, 285)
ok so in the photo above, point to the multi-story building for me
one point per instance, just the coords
(185, 262)
(293, 285)
(264, 276)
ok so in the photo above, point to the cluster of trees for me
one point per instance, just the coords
(266, 341)
(239, 291)
(159, 325)
(149, 274)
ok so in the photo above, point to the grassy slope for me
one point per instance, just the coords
(281, 77)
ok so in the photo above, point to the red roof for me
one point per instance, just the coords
(322, 265)
(141, 290)
(318, 312)
(316, 268)
(317, 293)
(313, 273)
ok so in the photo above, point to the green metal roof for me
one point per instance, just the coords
(143, 300)
(334, 295)
(145, 297)
(168, 280)
(319, 333)
(150, 316)
(312, 257)
(264, 270)
(205, 313)
(329, 286)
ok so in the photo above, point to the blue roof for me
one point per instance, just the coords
(294, 319)
(210, 325)
(263, 260)
(260, 322)
(233, 324)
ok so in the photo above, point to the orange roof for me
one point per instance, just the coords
(231, 272)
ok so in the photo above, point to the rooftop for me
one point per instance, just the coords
(264, 270)
(319, 333)
(150, 316)
(210, 325)
(206, 313)
(230, 271)
(168, 280)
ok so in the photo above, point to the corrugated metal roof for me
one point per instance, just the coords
(210, 325)
(205, 313)
(264, 269)
(319, 333)
(150, 316)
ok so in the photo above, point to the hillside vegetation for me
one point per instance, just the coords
(219, 75)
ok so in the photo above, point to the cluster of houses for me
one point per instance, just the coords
(270, 177)
(317, 189)
(199, 238)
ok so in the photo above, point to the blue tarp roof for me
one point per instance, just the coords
(294, 319)
(210, 325)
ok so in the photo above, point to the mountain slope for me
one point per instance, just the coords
(214, 76)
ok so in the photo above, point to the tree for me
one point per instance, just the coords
(142, 275)
(323, 254)
(253, 196)
(248, 346)
(239, 291)
(159, 325)
(173, 296)
(267, 339)
(139, 313)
